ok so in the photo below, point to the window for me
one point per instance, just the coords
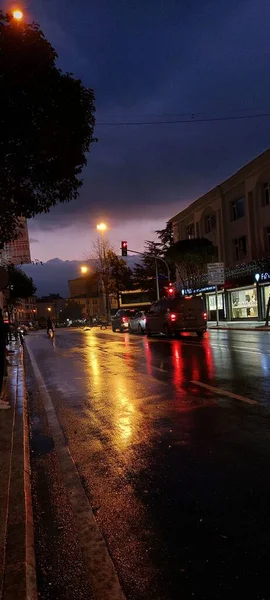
(244, 304)
(155, 308)
(209, 223)
(240, 248)
(266, 194)
(190, 231)
(267, 237)
(237, 209)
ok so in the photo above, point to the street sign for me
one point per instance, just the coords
(216, 275)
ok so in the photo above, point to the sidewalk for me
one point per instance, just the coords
(239, 325)
(17, 565)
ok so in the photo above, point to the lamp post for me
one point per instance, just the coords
(101, 228)
(85, 271)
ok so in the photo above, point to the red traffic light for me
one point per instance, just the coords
(170, 289)
(124, 248)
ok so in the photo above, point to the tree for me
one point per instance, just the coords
(114, 274)
(47, 122)
(145, 273)
(73, 311)
(20, 285)
(191, 257)
(120, 276)
(166, 236)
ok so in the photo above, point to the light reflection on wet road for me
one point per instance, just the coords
(174, 472)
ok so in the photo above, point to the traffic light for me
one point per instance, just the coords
(124, 248)
(170, 290)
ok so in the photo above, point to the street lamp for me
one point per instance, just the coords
(101, 227)
(84, 270)
(17, 14)
(49, 309)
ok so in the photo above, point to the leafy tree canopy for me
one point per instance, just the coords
(20, 285)
(46, 126)
(191, 257)
(73, 310)
(145, 272)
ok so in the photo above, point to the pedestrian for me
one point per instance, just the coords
(4, 331)
(49, 325)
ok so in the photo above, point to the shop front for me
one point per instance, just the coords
(243, 303)
(211, 306)
(263, 282)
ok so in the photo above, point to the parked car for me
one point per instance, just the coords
(121, 320)
(172, 316)
(137, 323)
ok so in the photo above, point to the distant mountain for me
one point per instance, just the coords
(52, 277)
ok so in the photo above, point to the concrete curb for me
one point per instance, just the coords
(19, 571)
(30, 561)
(102, 573)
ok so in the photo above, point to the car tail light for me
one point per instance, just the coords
(173, 317)
(124, 319)
(205, 316)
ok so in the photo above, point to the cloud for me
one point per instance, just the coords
(146, 59)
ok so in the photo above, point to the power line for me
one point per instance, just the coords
(182, 121)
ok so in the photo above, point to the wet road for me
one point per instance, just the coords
(177, 473)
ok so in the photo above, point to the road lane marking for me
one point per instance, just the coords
(221, 392)
(102, 573)
(241, 349)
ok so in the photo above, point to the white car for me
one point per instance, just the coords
(137, 323)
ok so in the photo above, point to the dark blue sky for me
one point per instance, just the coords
(149, 61)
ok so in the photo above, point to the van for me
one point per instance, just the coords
(171, 316)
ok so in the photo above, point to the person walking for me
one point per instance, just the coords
(4, 330)
(49, 325)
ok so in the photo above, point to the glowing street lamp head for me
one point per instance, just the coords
(84, 270)
(101, 226)
(49, 309)
(17, 14)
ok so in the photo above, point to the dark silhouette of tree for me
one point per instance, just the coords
(145, 272)
(46, 127)
(73, 311)
(20, 285)
(120, 276)
(114, 274)
(191, 257)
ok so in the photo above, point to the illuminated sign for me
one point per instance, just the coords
(262, 277)
(187, 292)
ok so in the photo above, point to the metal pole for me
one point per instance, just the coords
(157, 282)
(104, 273)
(217, 307)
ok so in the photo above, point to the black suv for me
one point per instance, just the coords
(121, 320)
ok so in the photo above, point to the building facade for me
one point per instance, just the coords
(235, 217)
(17, 252)
(86, 291)
(49, 306)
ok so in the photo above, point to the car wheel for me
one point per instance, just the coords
(141, 330)
(113, 329)
(148, 331)
(200, 334)
(129, 329)
(177, 335)
(167, 331)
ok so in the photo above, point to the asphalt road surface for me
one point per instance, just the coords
(171, 439)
